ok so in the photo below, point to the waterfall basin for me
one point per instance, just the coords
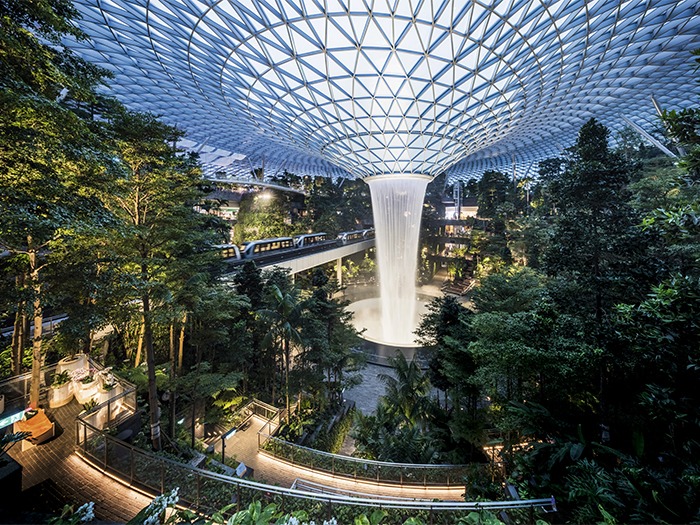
(367, 316)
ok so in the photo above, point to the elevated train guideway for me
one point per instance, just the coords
(297, 260)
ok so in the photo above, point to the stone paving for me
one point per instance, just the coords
(366, 394)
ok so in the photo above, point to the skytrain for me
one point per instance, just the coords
(261, 247)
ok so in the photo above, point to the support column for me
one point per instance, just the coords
(339, 271)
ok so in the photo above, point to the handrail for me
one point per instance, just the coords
(363, 461)
(208, 491)
(370, 470)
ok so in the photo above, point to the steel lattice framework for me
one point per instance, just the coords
(365, 87)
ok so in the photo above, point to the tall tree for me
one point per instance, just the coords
(494, 188)
(154, 199)
(407, 391)
(684, 128)
(284, 319)
(595, 243)
(52, 160)
(329, 338)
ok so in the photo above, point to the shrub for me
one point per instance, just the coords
(331, 441)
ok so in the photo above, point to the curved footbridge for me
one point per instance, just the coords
(271, 469)
(90, 459)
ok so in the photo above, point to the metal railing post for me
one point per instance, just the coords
(104, 459)
(199, 489)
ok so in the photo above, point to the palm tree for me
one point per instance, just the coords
(407, 392)
(284, 320)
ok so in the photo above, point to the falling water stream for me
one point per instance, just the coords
(397, 202)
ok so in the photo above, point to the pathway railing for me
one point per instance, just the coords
(16, 388)
(377, 471)
(206, 491)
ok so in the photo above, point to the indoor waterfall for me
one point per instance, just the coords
(397, 202)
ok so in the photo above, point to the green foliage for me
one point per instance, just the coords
(255, 514)
(373, 519)
(92, 403)
(71, 516)
(482, 517)
(331, 441)
(6, 362)
(405, 394)
(515, 289)
(335, 206)
(591, 491)
(61, 378)
(263, 215)
(683, 127)
(8, 440)
(493, 189)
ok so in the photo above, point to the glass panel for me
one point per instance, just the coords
(119, 458)
(147, 471)
(216, 494)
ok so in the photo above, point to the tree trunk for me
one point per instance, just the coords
(181, 345)
(89, 340)
(273, 378)
(286, 376)
(18, 338)
(171, 398)
(153, 407)
(142, 336)
(172, 350)
(331, 392)
(38, 326)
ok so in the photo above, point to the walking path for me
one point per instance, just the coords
(243, 446)
(55, 465)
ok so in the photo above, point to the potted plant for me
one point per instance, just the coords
(107, 379)
(61, 390)
(84, 384)
(109, 387)
(72, 362)
(90, 404)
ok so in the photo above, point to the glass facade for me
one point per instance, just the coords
(363, 88)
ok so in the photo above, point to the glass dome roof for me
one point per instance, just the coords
(364, 88)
